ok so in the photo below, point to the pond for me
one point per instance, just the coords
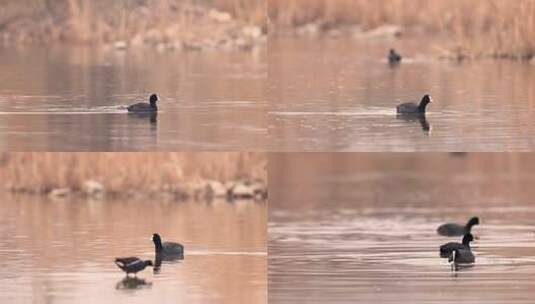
(361, 228)
(62, 251)
(340, 94)
(74, 99)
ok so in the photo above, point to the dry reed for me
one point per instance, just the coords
(490, 27)
(125, 172)
(158, 21)
(251, 11)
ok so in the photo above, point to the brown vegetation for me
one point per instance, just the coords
(491, 27)
(251, 11)
(126, 172)
(172, 24)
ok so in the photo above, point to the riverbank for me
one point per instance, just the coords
(470, 29)
(166, 25)
(180, 176)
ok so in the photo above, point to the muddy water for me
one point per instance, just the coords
(63, 251)
(74, 99)
(339, 94)
(347, 228)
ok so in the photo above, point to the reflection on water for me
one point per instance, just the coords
(75, 99)
(160, 258)
(132, 283)
(361, 228)
(151, 117)
(63, 251)
(420, 118)
(340, 95)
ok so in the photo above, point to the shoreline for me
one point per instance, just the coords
(178, 175)
(470, 30)
(449, 50)
(208, 190)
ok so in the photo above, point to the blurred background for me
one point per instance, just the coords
(492, 27)
(179, 24)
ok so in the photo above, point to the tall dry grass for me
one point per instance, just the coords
(497, 27)
(101, 19)
(125, 172)
(250, 11)
(109, 21)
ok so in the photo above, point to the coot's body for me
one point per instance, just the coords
(413, 108)
(393, 57)
(453, 229)
(166, 248)
(144, 107)
(132, 264)
(447, 249)
(462, 256)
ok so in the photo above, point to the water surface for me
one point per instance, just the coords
(337, 94)
(347, 228)
(74, 99)
(63, 251)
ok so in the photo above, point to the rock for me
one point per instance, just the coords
(178, 45)
(240, 190)
(209, 190)
(334, 33)
(309, 29)
(261, 194)
(161, 47)
(137, 40)
(253, 32)
(191, 46)
(457, 54)
(219, 16)
(384, 31)
(247, 190)
(242, 44)
(216, 188)
(208, 44)
(59, 192)
(120, 45)
(93, 188)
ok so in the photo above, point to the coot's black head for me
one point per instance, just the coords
(153, 99)
(467, 238)
(149, 263)
(424, 102)
(392, 52)
(473, 221)
(426, 99)
(157, 241)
